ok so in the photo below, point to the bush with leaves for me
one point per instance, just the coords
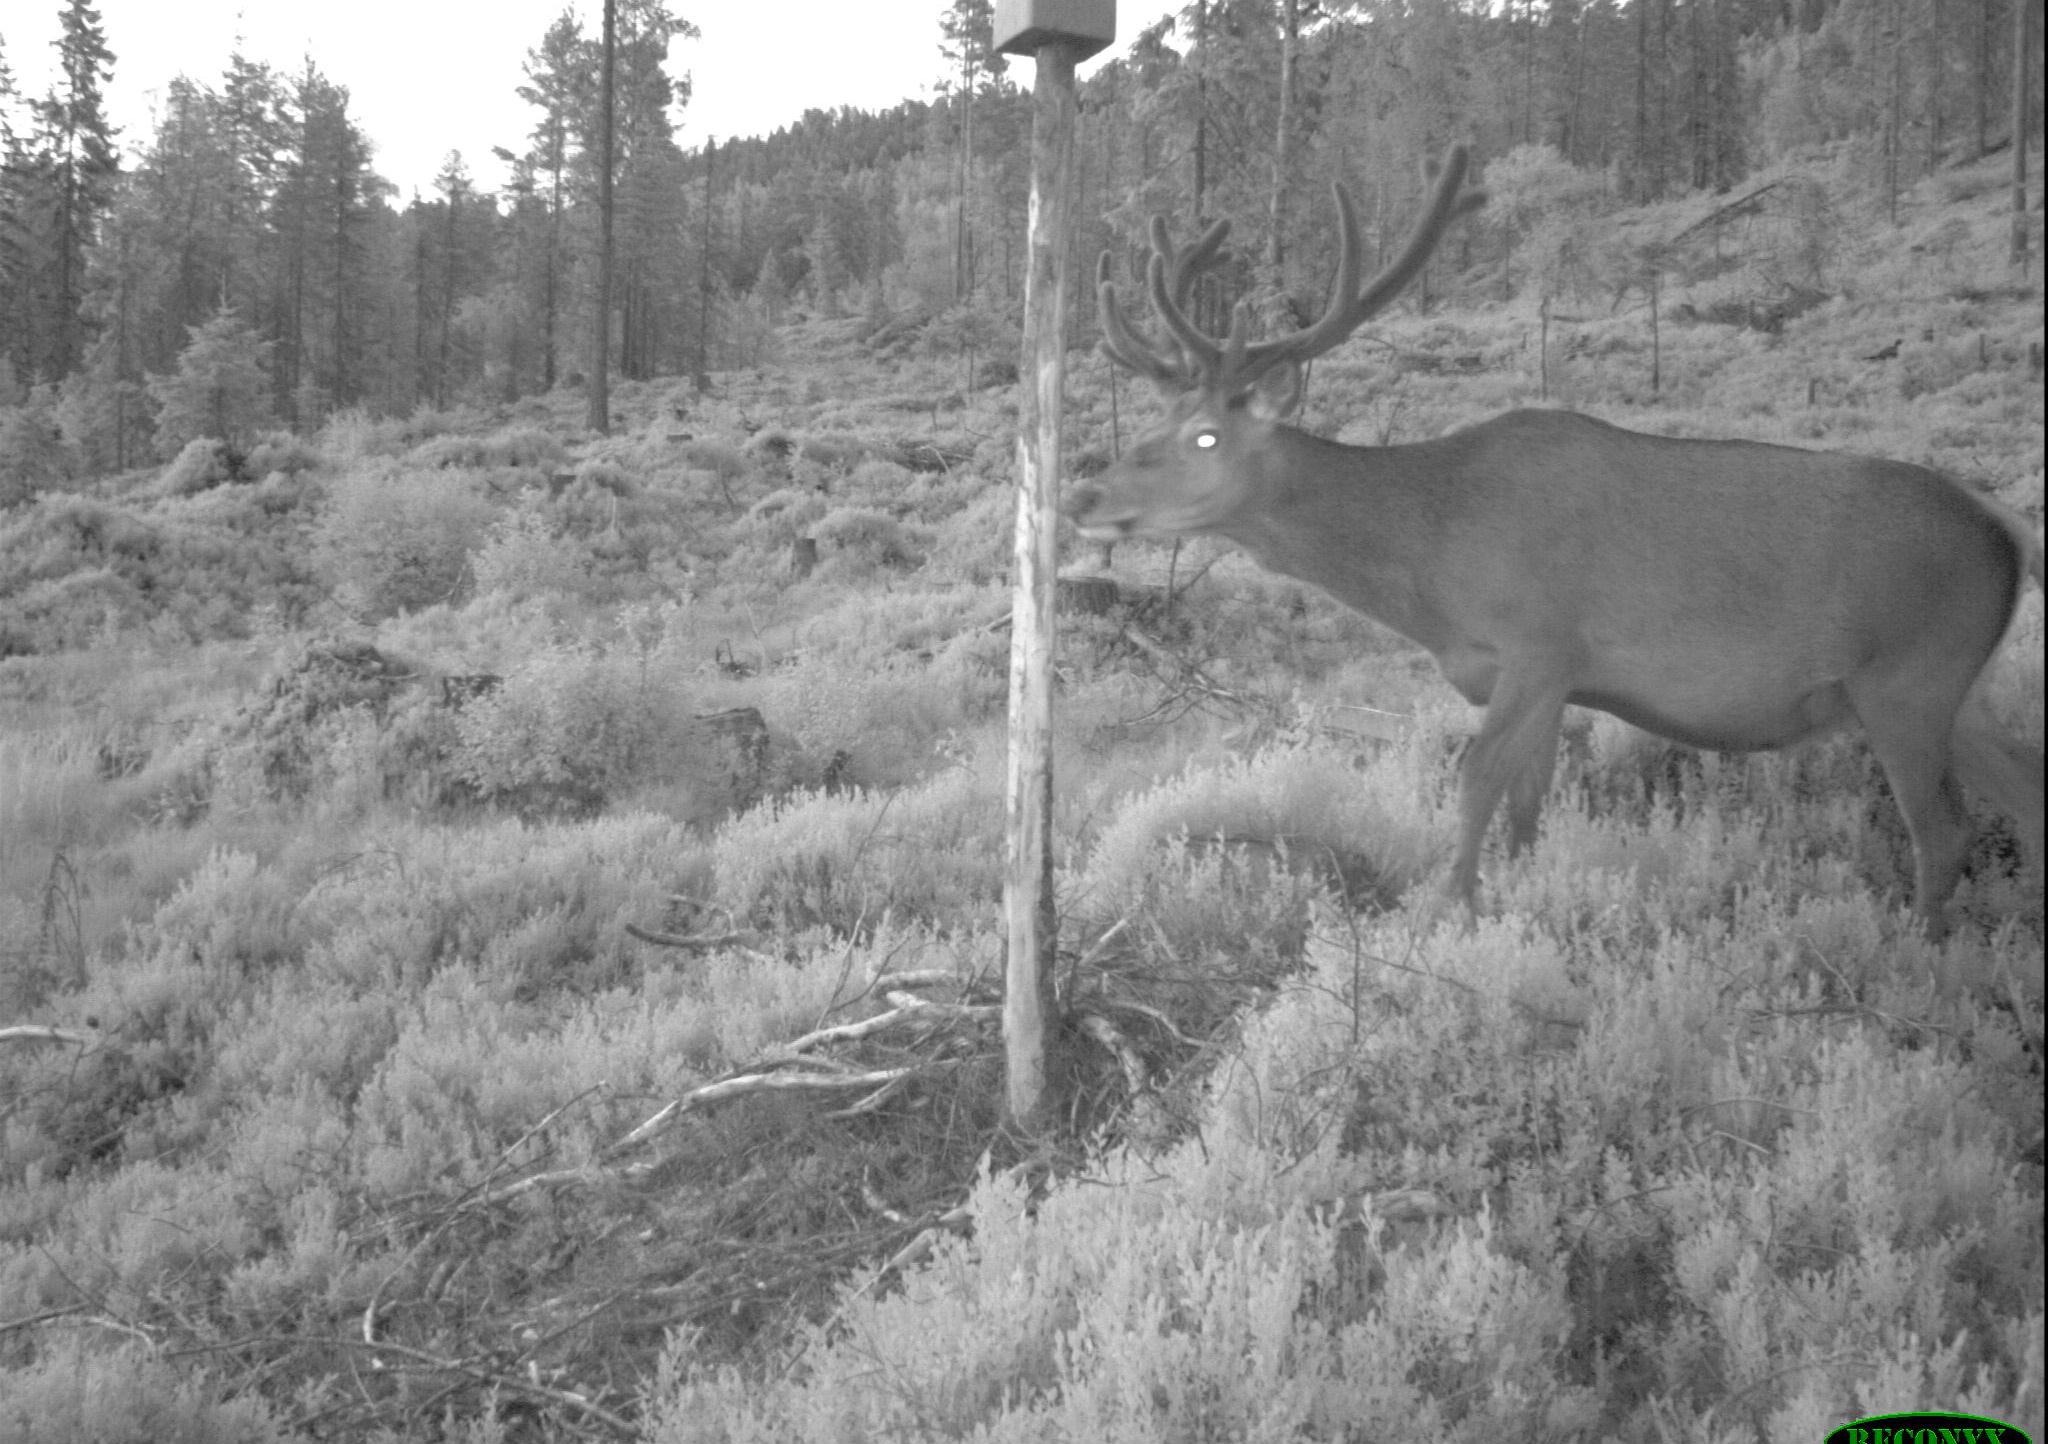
(572, 726)
(525, 556)
(186, 567)
(527, 447)
(394, 540)
(206, 462)
(861, 540)
(280, 451)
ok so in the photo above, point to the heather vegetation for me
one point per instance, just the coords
(500, 924)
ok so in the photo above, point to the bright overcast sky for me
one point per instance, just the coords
(429, 76)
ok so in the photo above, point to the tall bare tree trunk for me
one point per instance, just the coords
(599, 418)
(2020, 11)
(701, 375)
(1937, 77)
(1201, 111)
(554, 261)
(1894, 130)
(1206, 299)
(447, 300)
(1642, 99)
(1981, 86)
(1283, 141)
(963, 245)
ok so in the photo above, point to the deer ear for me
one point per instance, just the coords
(1275, 395)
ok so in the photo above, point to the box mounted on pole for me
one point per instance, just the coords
(1085, 26)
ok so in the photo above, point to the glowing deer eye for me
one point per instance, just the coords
(1205, 439)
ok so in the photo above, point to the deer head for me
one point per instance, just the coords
(1226, 397)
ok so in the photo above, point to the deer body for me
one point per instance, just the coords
(1724, 594)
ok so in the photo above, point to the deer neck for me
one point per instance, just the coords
(1360, 522)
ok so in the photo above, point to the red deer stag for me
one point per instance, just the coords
(1724, 594)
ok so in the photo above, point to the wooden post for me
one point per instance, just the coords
(1030, 1010)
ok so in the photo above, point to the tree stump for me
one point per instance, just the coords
(737, 742)
(1091, 596)
(459, 690)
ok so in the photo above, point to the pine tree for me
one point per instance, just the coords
(556, 85)
(598, 413)
(969, 30)
(250, 128)
(75, 152)
(17, 360)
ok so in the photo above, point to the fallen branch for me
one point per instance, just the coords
(1726, 212)
(1186, 675)
(1105, 1033)
(751, 1083)
(44, 1033)
(918, 978)
(742, 942)
(866, 1027)
(511, 1383)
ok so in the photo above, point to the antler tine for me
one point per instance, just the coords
(1176, 270)
(1123, 344)
(1171, 276)
(1349, 307)
(1334, 324)
(1201, 352)
(1446, 203)
(1189, 264)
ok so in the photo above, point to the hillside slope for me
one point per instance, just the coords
(505, 924)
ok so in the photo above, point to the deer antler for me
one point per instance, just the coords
(1234, 365)
(1175, 270)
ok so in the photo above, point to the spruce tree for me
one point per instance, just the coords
(78, 168)
(220, 389)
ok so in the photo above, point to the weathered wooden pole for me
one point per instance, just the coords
(1060, 33)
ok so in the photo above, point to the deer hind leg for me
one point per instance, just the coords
(1514, 754)
(1911, 734)
(2004, 772)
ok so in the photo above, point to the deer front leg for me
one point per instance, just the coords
(1516, 748)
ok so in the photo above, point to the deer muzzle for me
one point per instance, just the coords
(1087, 507)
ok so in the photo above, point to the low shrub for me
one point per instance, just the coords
(205, 461)
(570, 727)
(716, 455)
(525, 555)
(280, 451)
(842, 860)
(515, 446)
(394, 540)
(128, 1396)
(862, 540)
(74, 569)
